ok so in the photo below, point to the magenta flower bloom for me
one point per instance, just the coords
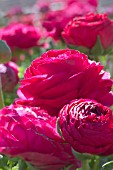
(56, 20)
(30, 133)
(9, 76)
(84, 31)
(59, 76)
(22, 36)
(87, 126)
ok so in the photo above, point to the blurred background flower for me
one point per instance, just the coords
(9, 76)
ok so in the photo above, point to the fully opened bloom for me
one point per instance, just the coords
(87, 126)
(30, 133)
(21, 36)
(84, 31)
(59, 76)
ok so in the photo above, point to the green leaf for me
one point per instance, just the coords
(30, 167)
(108, 166)
(82, 156)
(97, 49)
(67, 167)
(5, 52)
(15, 167)
(58, 128)
(22, 165)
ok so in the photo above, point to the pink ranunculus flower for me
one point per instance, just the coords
(84, 31)
(56, 20)
(59, 76)
(87, 126)
(9, 76)
(18, 35)
(30, 133)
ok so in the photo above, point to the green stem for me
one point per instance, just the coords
(96, 163)
(85, 165)
(1, 95)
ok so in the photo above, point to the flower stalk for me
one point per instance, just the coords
(1, 95)
(85, 165)
(96, 163)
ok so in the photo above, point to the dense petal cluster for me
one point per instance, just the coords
(84, 31)
(30, 133)
(63, 117)
(21, 36)
(59, 76)
(87, 126)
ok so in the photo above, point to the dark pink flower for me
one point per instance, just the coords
(22, 36)
(87, 126)
(30, 133)
(59, 76)
(93, 2)
(84, 31)
(56, 20)
(9, 76)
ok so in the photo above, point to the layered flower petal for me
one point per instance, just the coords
(30, 133)
(59, 76)
(87, 126)
(18, 35)
(85, 30)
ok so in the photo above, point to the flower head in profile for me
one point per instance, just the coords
(87, 126)
(88, 30)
